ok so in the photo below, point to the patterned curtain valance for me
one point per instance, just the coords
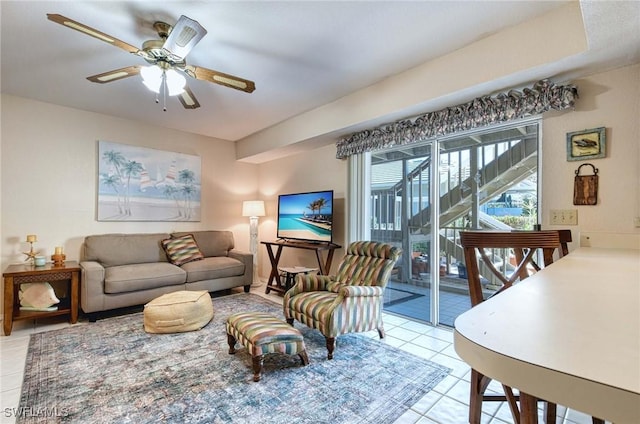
(482, 111)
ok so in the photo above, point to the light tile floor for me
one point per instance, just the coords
(447, 403)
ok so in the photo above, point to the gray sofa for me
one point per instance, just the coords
(120, 270)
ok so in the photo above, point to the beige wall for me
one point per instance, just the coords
(49, 162)
(611, 100)
(311, 171)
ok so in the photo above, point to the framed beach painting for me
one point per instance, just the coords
(142, 184)
(586, 144)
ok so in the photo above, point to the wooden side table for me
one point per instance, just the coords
(15, 275)
(324, 267)
(291, 272)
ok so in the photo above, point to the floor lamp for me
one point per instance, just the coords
(253, 209)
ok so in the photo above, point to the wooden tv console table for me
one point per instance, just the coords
(324, 267)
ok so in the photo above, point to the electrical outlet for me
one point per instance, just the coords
(564, 217)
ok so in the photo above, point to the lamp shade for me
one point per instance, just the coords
(152, 77)
(175, 82)
(253, 208)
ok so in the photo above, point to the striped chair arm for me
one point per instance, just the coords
(363, 291)
(309, 282)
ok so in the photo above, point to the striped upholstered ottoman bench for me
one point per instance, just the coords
(262, 333)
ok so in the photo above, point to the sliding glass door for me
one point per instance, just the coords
(484, 179)
(400, 204)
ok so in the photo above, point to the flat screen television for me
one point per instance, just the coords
(306, 216)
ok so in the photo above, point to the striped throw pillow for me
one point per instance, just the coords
(181, 250)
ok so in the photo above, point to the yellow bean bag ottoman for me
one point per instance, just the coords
(178, 312)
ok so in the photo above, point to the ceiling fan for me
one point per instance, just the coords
(166, 57)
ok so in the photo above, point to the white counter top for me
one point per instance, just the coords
(568, 334)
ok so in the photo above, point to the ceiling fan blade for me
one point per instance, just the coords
(188, 100)
(116, 74)
(220, 78)
(70, 23)
(186, 33)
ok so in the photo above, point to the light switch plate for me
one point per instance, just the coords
(564, 217)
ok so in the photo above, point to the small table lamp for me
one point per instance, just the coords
(31, 254)
(253, 209)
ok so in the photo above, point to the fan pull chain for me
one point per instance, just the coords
(157, 94)
(164, 91)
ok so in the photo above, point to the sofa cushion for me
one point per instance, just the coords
(130, 278)
(212, 268)
(124, 249)
(181, 250)
(211, 243)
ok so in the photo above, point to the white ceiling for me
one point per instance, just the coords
(300, 54)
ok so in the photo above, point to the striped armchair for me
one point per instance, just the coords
(349, 302)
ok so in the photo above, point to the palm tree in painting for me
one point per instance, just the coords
(113, 182)
(172, 193)
(116, 161)
(187, 178)
(187, 193)
(130, 169)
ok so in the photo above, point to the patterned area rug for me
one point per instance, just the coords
(112, 371)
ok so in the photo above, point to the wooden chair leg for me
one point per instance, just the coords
(381, 332)
(512, 401)
(232, 344)
(304, 357)
(550, 412)
(331, 345)
(528, 409)
(257, 362)
(479, 384)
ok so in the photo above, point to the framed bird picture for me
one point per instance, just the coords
(586, 144)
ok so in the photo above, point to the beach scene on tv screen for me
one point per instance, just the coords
(306, 216)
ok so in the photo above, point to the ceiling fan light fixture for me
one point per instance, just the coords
(175, 82)
(166, 56)
(152, 77)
